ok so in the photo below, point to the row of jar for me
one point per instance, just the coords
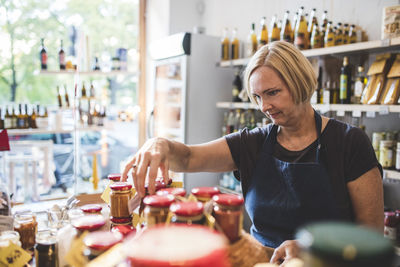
(387, 149)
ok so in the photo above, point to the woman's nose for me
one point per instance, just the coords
(264, 106)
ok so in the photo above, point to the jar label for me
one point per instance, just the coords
(14, 255)
(390, 233)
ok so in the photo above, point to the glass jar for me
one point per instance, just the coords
(26, 225)
(172, 191)
(156, 209)
(9, 236)
(119, 198)
(228, 214)
(5, 207)
(89, 223)
(114, 177)
(99, 242)
(386, 153)
(125, 230)
(205, 194)
(390, 228)
(189, 212)
(91, 209)
(46, 249)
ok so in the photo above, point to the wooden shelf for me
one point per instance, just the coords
(88, 73)
(12, 132)
(369, 46)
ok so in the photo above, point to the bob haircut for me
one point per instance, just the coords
(292, 66)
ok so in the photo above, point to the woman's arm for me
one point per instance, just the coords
(366, 194)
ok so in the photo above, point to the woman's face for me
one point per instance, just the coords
(273, 96)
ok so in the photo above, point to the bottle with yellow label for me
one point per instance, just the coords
(339, 34)
(312, 21)
(316, 37)
(286, 31)
(274, 34)
(234, 45)
(329, 36)
(263, 39)
(353, 34)
(251, 44)
(225, 45)
(301, 39)
(345, 82)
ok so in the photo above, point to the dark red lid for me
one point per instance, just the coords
(124, 229)
(189, 208)
(172, 191)
(121, 220)
(159, 201)
(120, 186)
(205, 191)
(88, 222)
(91, 208)
(102, 240)
(228, 199)
(114, 177)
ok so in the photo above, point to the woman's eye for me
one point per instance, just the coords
(272, 92)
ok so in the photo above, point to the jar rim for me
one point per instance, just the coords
(173, 191)
(205, 191)
(159, 201)
(102, 240)
(228, 199)
(189, 208)
(120, 186)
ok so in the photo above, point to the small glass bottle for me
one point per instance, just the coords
(26, 225)
(172, 191)
(46, 250)
(205, 194)
(189, 212)
(91, 209)
(119, 198)
(156, 209)
(89, 223)
(228, 214)
(99, 242)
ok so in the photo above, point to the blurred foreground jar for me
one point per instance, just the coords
(156, 208)
(205, 194)
(178, 245)
(119, 198)
(26, 225)
(228, 213)
(189, 213)
(91, 209)
(46, 249)
(336, 244)
(89, 223)
(172, 191)
(125, 230)
(99, 242)
(114, 177)
(9, 236)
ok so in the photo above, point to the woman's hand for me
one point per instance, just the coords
(285, 252)
(153, 155)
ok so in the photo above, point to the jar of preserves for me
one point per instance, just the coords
(125, 230)
(156, 209)
(119, 198)
(189, 212)
(390, 228)
(172, 191)
(114, 177)
(46, 250)
(91, 209)
(26, 225)
(228, 214)
(178, 245)
(121, 221)
(99, 242)
(205, 194)
(386, 153)
(89, 223)
(9, 236)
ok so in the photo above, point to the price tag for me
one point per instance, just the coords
(356, 113)
(176, 185)
(340, 113)
(370, 114)
(106, 194)
(14, 256)
(383, 110)
(385, 42)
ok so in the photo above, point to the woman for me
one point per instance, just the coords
(299, 169)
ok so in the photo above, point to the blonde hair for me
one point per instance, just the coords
(292, 66)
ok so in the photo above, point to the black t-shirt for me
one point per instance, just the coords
(346, 153)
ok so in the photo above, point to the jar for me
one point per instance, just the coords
(377, 137)
(172, 191)
(46, 249)
(156, 209)
(88, 223)
(386, 153)
(189, 212)
(9, 236)
(114, 177)
(99, 242)
(125, 230)
(91, 209)
(340, 244)
(26, 225)
(178, 245)
(391, 223)
(119, 198)
(398, 157)
(121, 221)
(205, 194)
(228, 214)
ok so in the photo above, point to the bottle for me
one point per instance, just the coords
(32, 121)
(326, 94)
(20, 118)
(274, 34)
(339, 34)
(316, 37)
(96, 64)
(59, 99)
(1, 121)
(312, 22)
(14, 119)
(234, 45)
(91, 90)
(251, 45)
(324, 25)
(27, 118)
(353, 34)
(263, 39)
(286, 31)
(294, 25)
(7, 119)
(66, 96)
(301, 33)
(345, 82)
(346, 36)
(61, 57)
(43, 56)
(359, 85)
(231, 122)
(225, 45)
(237, 120)
(334, 93)
(329, 36)
(236, 88)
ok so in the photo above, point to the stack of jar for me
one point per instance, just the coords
(392, 226)
(387, 149)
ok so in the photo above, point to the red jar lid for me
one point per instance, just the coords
(114, 177)
(121, 220)
(205, 191)
(91, 208)
(89, 222)
(172, 191)
(124, 229)
(189, 208)
(159, 201)
(120, 186)
(102, 240)
(228, 199)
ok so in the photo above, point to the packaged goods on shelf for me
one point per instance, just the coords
(390, 22)
(392, 91)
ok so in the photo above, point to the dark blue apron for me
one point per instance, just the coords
(282, 196)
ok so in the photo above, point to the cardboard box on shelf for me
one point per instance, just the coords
(391, 22)
(391, 92)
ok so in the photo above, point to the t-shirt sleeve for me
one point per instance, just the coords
(359, 154)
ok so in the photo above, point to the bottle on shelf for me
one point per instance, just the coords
(230, 122)
(61, 56)
(286, 31)
(324, 25)
(225, 45)
(1, 121)
(96, 64)
(339, 34)
(301, 39)
(7, 119)
(329, 36)
(316, 38)
(274, 33)
(59, 99)
(20, 118)
(345, 82)
(279, 27)
(27, 118)
(234, 45)
(66, 97)
(251, 44)
(326, 93)
(263, 39)
(353, 34)
(334, 93)
(43, 56)
(359, 85)
(312, 21)
(238, 113)
(92, 90)
(14, 118)
(346, 36)
(32, 119)
(237, 87)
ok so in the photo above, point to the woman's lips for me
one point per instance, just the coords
(274, 115)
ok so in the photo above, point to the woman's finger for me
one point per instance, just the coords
(278, 256)
(164, 166)
(141, 173)
(128, 166)
(153, 170)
